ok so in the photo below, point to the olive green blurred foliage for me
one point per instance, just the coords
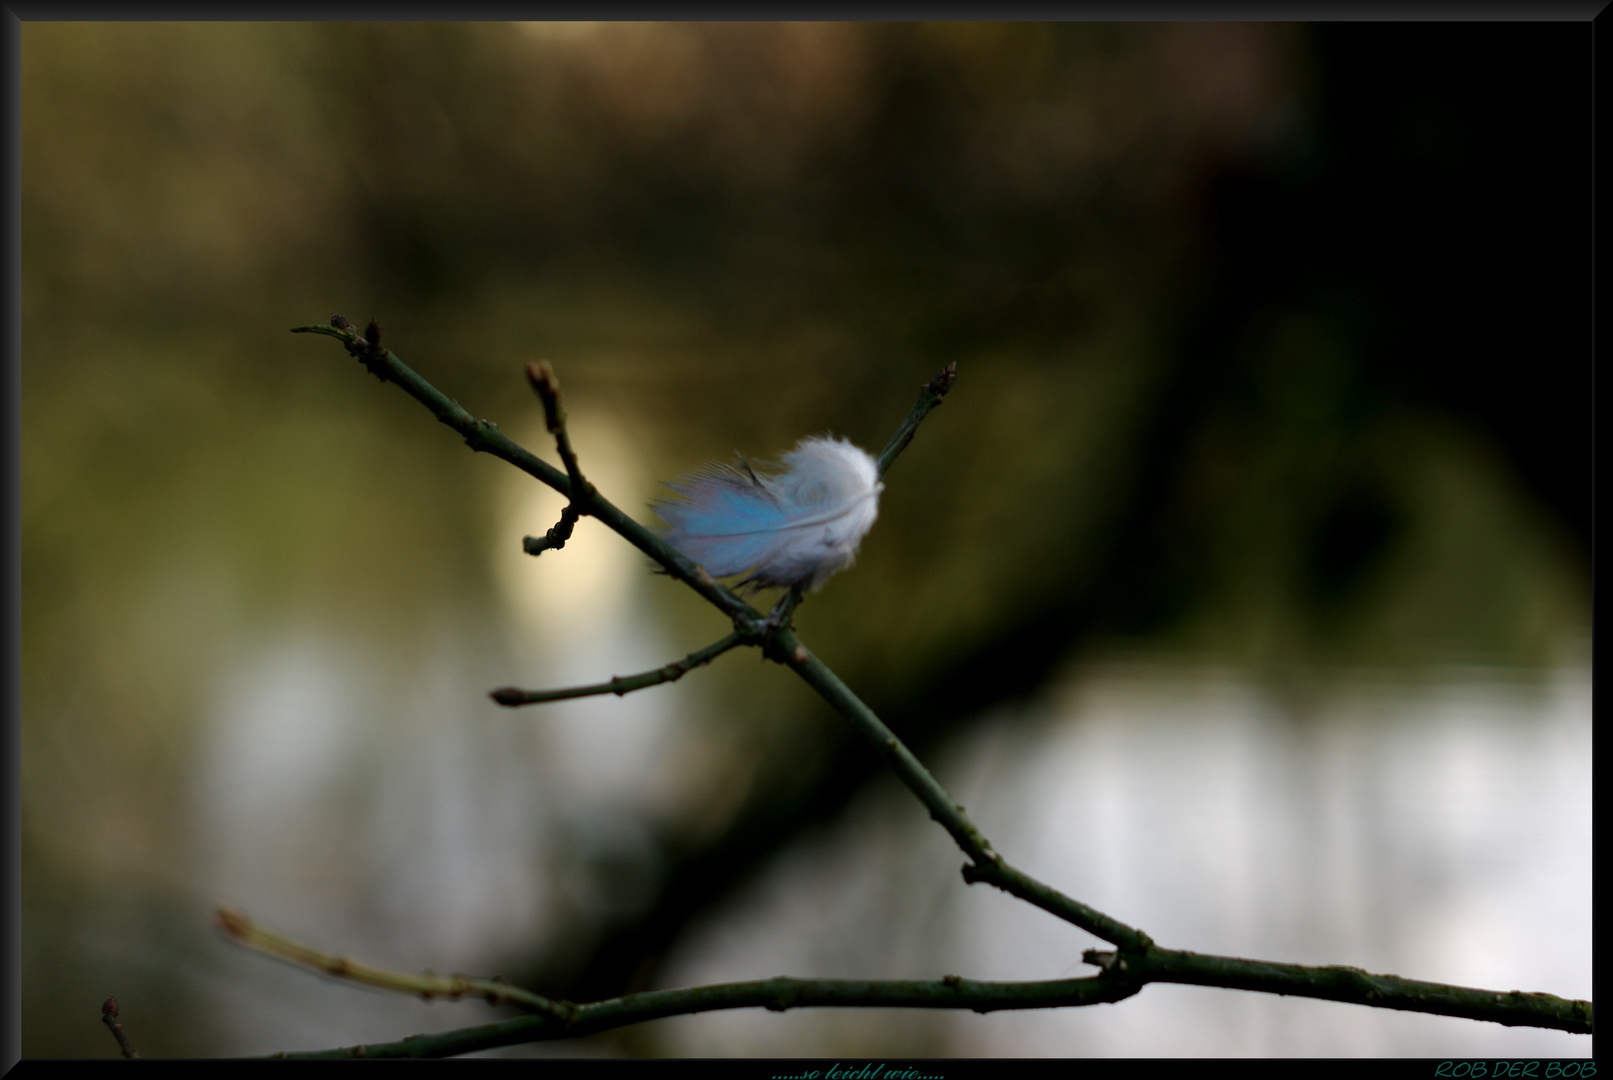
(724, 237)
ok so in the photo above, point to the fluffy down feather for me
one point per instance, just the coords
(795, 528)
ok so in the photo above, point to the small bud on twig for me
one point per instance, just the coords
(340, 323)
(943, 380)
(547, 385)
(109, 1017)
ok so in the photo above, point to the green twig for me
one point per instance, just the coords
(623, 684)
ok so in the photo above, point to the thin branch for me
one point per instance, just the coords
(987, 865)
(1512, 1008)
(248, 934)
(624, 684)
(484, 436)
(1138, 959)
(109, 1017)
(930, 395)
(1119, 979)
(543, 380)
(778, 995)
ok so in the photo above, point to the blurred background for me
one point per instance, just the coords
(1241, 588)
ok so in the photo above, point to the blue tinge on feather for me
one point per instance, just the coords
(794, 528)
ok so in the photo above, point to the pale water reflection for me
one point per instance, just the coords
(1439, 831)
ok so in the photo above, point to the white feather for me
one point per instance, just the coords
(795, 528)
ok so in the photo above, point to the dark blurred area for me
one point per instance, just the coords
(1273, 346)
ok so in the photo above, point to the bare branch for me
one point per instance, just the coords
(1137, 960)
(623, 684)
(930, 395)
(248, 934)
(542, 377)
(1120, 978)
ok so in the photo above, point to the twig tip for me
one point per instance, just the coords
(543, 379)
(232, 921)
(943, 380)
(109, 1017)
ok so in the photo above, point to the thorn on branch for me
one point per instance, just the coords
(109, 1017)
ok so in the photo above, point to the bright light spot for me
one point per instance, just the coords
(282, 737)
(589, 583)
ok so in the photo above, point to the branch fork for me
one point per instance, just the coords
(542, 377)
